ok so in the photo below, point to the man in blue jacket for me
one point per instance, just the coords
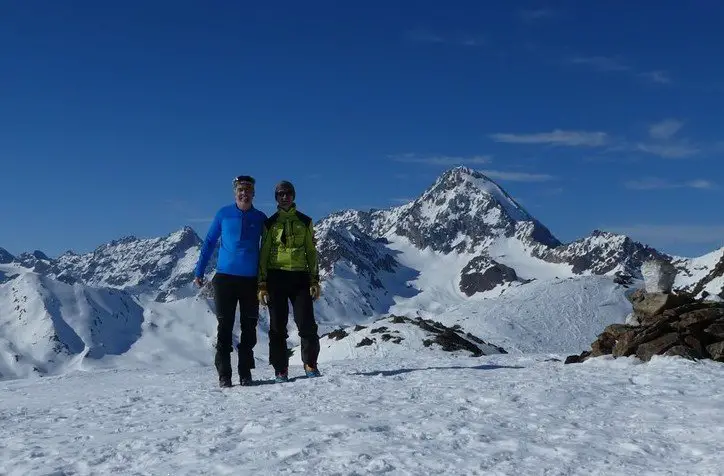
(239, 226)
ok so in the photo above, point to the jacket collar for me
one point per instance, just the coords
(292, 210)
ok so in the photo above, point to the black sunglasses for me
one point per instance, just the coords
(283, 193)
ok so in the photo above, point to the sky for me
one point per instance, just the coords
(132, 118)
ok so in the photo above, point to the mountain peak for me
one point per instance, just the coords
(185, 235)
(5, 256)
(471, 185)
(462, 171)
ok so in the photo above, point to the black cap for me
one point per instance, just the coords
(285, 185)
(244, 178)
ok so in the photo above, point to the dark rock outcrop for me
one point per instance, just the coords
(483, 274)
(669, 324)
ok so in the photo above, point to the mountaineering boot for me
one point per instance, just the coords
(245, 379)
(311, 371)
(281, 377)
(224, 382)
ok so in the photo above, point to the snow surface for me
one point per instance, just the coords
(558, 315)
(496, 415)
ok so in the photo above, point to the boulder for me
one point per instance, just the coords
(666, 324)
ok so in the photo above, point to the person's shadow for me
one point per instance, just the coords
(271, 381)
(389, 373)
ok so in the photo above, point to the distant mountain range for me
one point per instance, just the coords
(464, 239)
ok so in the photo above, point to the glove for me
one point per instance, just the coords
(199, 281)
(263, 295)
(315, 291)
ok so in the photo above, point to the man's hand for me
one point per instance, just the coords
(315, 291)
(263, 295)
(199, 281)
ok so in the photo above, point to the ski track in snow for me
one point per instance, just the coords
(493, 415)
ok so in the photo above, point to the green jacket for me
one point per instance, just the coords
(287, 243)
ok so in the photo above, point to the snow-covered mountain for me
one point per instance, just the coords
(703, 275)
(464, 253)
(159, 267)
(465, 235)
(47, 325)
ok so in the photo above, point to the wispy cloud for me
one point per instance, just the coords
(671, 234)
(427, 36)
(665, 129)
(662, 141)
(445, 160)
(557, 137)
(679, 150)
(660, 77)
(536, 14)
(656, 183)
(616, 64)
(517, 176)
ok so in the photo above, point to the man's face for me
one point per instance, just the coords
(285, 197)
(244, 192)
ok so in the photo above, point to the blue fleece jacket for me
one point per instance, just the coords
(240, 233)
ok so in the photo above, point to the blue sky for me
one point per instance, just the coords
(131, 118)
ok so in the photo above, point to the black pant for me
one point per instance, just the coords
(283, 287)
(228, 291)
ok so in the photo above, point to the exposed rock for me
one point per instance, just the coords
(483, 274)
(681, 326)
(622, 278)
(337, 334)
(647, 304)
(364, 342)
(716, 351)
(5, 256)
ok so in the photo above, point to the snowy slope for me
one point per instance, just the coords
(497, 415)
(704, 273)
(557, 315)
(47, 326)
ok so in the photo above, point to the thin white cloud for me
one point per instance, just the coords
(656, 183)
(517, 176)
(701, 183)
(445, 160)
(557, 137)
(615, 64)
(680, 150)
(671, 234)
(660, 77)
(665, 129)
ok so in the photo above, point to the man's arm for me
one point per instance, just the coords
(264, 253)
(310, 247)
(207, 249)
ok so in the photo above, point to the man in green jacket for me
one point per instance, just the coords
(289, 272)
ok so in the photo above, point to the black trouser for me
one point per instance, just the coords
(283, 287)
(228, 291)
